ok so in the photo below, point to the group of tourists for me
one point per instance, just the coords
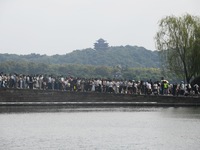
(49, 82)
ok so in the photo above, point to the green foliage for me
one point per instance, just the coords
(178, 38)
(83, 71)
(130, 56)
(134, 63)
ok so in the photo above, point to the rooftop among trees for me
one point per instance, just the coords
(101, 44)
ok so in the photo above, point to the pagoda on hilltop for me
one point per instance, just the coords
(101, 44)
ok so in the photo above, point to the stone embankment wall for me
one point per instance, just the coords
(18, 96)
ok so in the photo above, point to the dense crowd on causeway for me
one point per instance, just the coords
(49, 82)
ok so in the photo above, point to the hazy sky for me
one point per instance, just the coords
(61, 26)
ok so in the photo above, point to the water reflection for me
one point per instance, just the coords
(32, 109)
(187, 112)
(122, 128)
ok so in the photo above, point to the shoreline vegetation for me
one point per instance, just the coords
(122, 62)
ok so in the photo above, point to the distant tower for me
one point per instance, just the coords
(100, 44)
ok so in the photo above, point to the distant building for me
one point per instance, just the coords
(101, 45)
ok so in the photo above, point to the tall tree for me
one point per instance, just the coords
(178, 39)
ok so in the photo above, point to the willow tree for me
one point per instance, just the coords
(178, 39)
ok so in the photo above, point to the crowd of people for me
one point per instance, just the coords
(49, 82)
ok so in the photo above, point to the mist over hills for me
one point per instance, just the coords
(126, 56)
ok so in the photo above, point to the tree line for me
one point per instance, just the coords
(130, 56)
(83, 71)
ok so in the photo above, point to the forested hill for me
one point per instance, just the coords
(128, 56)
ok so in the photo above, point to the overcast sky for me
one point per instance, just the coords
(61, 26)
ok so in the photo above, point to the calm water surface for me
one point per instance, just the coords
(100, 128)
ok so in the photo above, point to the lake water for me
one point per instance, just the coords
(131, 128)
